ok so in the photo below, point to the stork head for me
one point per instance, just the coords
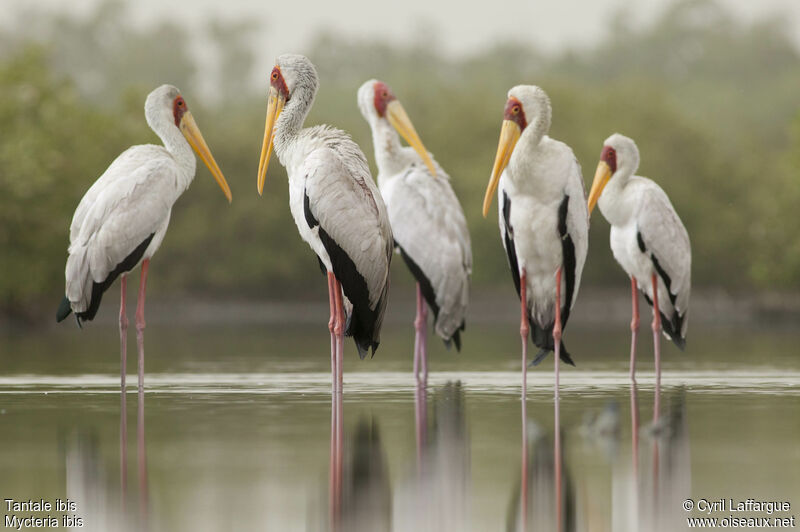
(377, 102)
(166, 108)
(527, 105)
(293, 74)
(620, 157)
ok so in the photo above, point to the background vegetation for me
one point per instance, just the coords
(712, 102)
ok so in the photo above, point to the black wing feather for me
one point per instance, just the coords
(127, 264)
(671, 325)
(362, 322)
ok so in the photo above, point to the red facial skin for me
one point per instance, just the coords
(383, 96)
(515, 113)
(178, 108)
(276, 80)
(609, 156)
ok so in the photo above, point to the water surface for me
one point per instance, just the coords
(237, 430)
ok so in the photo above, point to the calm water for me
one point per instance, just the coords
(238, 431)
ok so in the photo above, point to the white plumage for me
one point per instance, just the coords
(131, 203)
(647, 236)
(344, 199)
(427, 219)
(543, 218)
(333, 199)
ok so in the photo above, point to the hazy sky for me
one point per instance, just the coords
(462, 28)
(289, 25)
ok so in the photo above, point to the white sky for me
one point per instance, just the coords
(463, 26)
(288, 25)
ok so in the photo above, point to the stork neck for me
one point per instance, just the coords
(613, 202)
(291, 121)
(177, 145)
(535, 131)
(389, 154)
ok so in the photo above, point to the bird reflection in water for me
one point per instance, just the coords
(433, 496)
(648, 490)
(141, 462)
(86, 483)
(668, 481)
(360, 497)
(544, 498)
(89, 484)
(367, 496)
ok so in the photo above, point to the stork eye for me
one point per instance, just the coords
(515, 109)
(384, 94)
(274, 76)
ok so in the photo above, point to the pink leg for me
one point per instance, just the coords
(417, 336)
(331, 324)
(523, 329)
(123, 332)
(557, 363)
(140, 322)
(423, 345)
(338, 330)
(634, 325)
(657, 347)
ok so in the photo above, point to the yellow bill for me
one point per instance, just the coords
(402, 123)
(509, 135)
(192, 133)
(274, 107)
(601, 177)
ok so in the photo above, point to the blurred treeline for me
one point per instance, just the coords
(712, 102)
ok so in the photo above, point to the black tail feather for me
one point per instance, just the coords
(456, 338)
(543, 339)
(98, 289)
(542, 354)
(673, 330)
(671, 326)
(64, 310)
(363, 350)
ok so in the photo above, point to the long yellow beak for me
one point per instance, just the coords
(399, 119)
(601, 177)
(509, 135)
(274, 107)
(197, 142)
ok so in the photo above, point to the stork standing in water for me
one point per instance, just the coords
(543, 220)
(123, 217)
(335, 204)
(649, 242)
(429, 226)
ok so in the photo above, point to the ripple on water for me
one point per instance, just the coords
(729, 381)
